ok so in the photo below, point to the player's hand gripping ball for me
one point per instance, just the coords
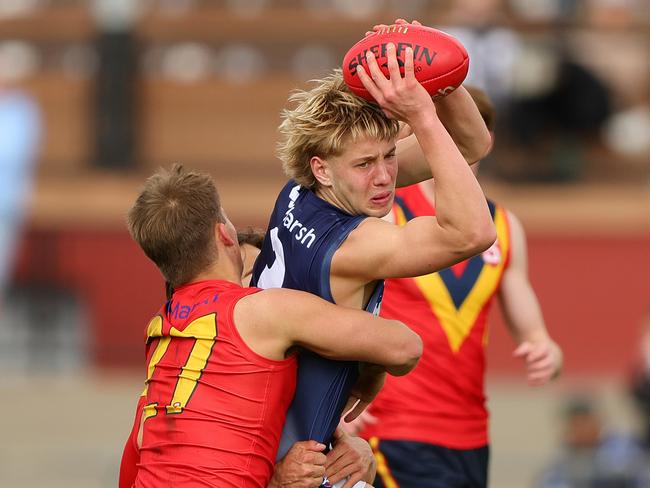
(440, 61)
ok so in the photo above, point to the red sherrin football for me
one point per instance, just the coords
(440, 61)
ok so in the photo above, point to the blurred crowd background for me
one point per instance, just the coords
(94, 95)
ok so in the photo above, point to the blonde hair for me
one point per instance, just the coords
(324, 120)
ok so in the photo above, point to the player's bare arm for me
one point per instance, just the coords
(379, 249)
(463, 225)
(460, 116)
(274, 321)
(462, 119)
(542, 356)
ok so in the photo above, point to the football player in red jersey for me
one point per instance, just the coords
(351, 454)
(220, 357)
(430, 429)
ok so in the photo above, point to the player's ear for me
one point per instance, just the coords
(223, 235)
(321, 170)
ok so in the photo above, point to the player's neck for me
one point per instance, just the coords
(327, 193)
(224, 271)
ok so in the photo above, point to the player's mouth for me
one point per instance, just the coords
(382, 199)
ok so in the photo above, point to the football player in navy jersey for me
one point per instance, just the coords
(296, 468)
(326, 235)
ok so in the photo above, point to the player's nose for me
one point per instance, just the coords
(382, 174)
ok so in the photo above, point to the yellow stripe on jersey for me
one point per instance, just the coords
(383, 471)
(400, 217)
(456, 322)
(503, 242)
(154, 329)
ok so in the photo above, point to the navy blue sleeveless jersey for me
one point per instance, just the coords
(303, 234)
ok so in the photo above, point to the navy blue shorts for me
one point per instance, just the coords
(406, 464)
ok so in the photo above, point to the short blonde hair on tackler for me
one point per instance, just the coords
(323, 121)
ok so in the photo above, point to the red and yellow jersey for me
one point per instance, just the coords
(213, 409)
(442, 400)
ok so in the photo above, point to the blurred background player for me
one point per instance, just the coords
(430, 430)
(340, 152)
(221, 368)
(20, 127)
(640, 380)
(593, 454)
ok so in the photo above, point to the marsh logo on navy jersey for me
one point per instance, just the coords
(303, 234)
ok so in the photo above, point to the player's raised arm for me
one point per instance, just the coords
(281, 318)
(462, 226)
(462, 119)
(456, 110)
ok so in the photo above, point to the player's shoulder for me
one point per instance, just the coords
(254, 307)
(368, 228)
(289, 193)
(496, 206)
(270, 307)
(362, 245)
(513, 224)
(264, 300)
